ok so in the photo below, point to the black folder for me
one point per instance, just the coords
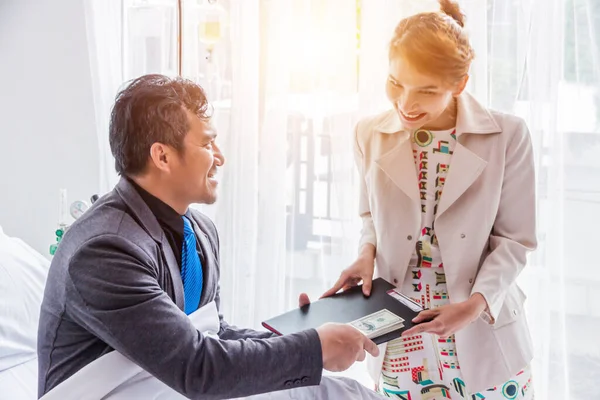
(346, 307)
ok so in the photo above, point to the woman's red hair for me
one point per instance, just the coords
(435, 43)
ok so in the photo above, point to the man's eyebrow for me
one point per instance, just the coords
(209, 134)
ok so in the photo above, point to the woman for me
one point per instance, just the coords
(458, 253)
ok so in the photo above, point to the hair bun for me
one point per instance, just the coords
(452, 9)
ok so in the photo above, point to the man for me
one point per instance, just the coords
(127, 272)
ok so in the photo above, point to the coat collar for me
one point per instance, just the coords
(466, 166)
(472, 117)
(140, 209)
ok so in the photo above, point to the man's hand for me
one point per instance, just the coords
(303, 300)
(342, 345)
(449, 319)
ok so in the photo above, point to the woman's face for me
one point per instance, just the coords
(421, 101)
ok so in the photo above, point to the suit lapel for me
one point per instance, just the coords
(175, 274)
(150, 224)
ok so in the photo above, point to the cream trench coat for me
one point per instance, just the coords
(485, 227)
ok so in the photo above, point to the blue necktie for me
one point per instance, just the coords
(191, 269)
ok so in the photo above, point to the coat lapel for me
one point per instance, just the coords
(466, 166)
(398, 163)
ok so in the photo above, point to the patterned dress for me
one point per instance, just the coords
(425, 367)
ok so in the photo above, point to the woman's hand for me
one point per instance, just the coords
(361, 270)
(449, 319)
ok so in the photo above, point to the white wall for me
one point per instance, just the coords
(47, 137)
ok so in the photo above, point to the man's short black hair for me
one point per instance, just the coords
(152, 109)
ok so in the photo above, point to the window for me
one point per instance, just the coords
(150, 40)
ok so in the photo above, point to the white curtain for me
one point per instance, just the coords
(104, 34)
(541, 61)
(285, 109)
(288, 79)
(126, 39)
(295, 76)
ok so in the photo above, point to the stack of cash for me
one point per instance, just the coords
(378, 323)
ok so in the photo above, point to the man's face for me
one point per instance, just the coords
(194, 173)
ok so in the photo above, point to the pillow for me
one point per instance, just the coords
(23, 273)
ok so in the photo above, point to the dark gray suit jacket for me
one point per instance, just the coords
(115, 283)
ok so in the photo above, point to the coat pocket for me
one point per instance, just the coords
(512, 309)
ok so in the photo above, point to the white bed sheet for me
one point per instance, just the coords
(23, 273)
(19, 382)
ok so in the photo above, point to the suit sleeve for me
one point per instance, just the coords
(229, 332)
(114, 293)
(513, 234)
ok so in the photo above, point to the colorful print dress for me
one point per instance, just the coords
(425, 367)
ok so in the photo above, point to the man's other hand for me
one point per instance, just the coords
(303, 300)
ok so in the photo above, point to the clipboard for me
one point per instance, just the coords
(346, 307)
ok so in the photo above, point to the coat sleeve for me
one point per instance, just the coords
(513, 234)
(368, 234)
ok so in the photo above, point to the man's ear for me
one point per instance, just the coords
(460, 87)
(161, 156)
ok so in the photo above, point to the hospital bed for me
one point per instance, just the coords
(23, 273)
